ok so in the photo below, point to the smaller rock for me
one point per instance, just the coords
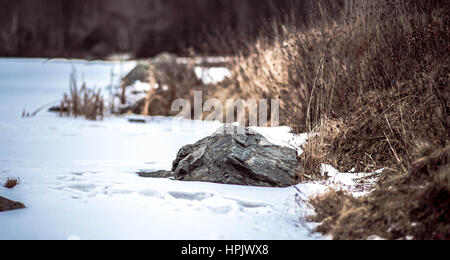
(7, 205)
(137, 121)
(158, 174)
(138, 73)
(57, 109)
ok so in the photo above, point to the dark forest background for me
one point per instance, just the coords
(97, 28)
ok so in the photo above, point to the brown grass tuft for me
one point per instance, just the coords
(82, 101)
(381, 132)
(328, 208)
(318, 148)
(12, 182)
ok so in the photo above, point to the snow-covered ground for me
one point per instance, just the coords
(79, 181)
(212, 75)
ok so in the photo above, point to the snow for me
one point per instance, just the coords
(349, 181)
(79, 181)
(203, 60)
(282, 136)
(212, 75)
(140, 86)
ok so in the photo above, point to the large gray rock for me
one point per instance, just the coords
(237, 155)
(6, 204)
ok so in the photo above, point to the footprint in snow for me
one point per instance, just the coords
(186, 195)
(83, 187)
(216, 202)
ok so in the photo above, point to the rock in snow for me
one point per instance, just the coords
(6, 204)
(158, 174)
(237, 155)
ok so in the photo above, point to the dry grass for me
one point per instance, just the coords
(82, 101)
(377, 78)
(318, 148)
(179, 81)
(12, 182)
(328, 208)
(321, 70)
(382, 132)
(411, 206)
